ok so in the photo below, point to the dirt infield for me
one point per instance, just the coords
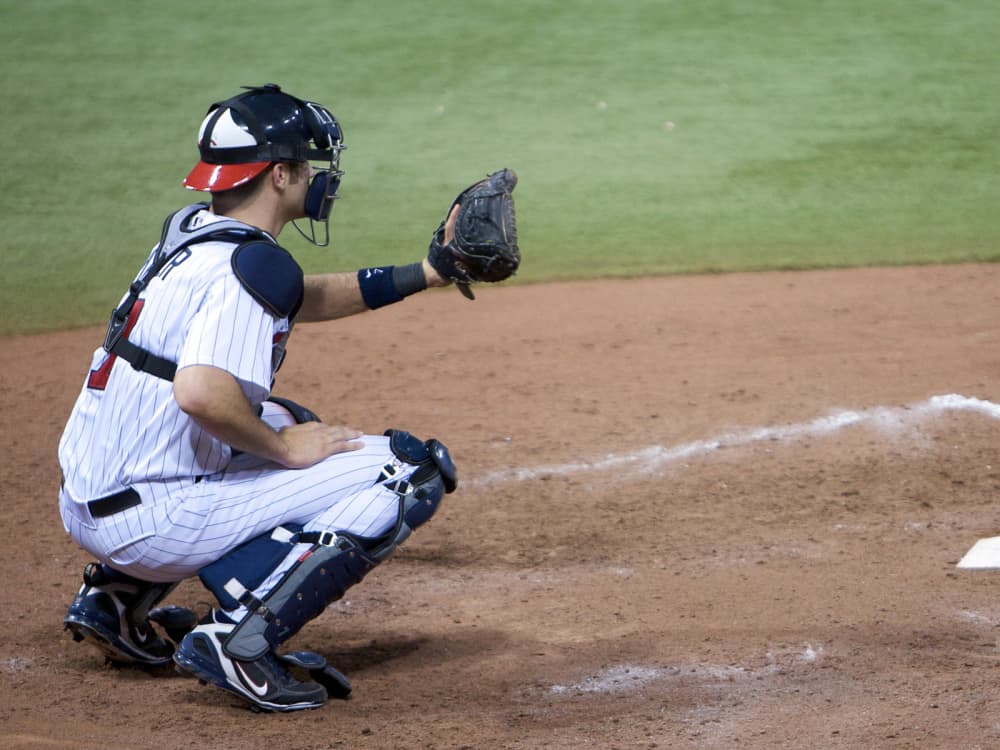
(702, 512)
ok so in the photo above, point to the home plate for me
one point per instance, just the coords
(984, 555)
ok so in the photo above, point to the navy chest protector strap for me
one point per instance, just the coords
(176, 236)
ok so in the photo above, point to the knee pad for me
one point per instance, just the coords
(430, 456)
(420, 494)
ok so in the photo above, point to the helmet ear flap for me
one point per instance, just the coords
(319, 197)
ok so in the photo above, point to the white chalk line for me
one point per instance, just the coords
(624, 678)
(653, 457)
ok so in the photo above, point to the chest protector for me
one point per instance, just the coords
(266, 270)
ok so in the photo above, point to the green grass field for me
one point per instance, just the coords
(651, 137)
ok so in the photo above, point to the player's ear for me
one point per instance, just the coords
(281, 175)
(285, 174)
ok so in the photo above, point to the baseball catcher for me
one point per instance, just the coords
(485, 244)
(178, 460)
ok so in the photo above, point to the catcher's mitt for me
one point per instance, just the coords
(485, 244)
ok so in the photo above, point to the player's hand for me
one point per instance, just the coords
(309, 443)
(430, 273)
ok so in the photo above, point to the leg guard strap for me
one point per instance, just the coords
(321, 576)
(248, 566)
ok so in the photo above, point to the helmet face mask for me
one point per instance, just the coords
(241, 136)
(322, 192)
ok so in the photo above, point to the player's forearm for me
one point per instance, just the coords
(337, 295)
(329, 296)
(214, 399)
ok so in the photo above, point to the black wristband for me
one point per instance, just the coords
(409, 279)
(388, 284)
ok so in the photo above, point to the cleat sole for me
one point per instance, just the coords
(83, 632)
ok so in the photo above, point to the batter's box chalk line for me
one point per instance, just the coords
(623, 678)
(653, 457)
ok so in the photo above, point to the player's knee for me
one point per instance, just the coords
(431, 458)
(420, 491)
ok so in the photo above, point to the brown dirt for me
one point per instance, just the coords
(607, 576)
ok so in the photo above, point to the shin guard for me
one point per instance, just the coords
(331, 563)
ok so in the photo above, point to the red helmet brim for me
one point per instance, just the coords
(214, 178)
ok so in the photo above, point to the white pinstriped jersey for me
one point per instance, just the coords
(197, 500)
(125, 427)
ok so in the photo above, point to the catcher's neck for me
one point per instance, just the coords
(257, 216)
(278, 200)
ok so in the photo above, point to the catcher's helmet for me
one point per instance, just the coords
(241, 136)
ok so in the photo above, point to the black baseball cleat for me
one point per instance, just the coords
(264, 683)
(104, 614)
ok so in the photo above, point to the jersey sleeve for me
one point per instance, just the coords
(233, 332)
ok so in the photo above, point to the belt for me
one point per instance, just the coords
(108, 506)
